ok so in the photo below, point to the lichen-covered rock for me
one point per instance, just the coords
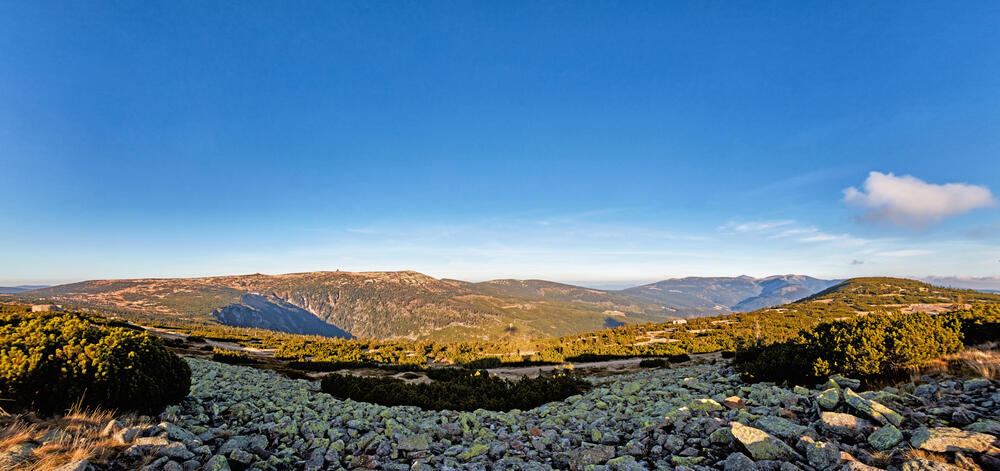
(417, 442)
(944, 439)
(591, 456)
(761, 445)
(885, 437)
(217, 463)
(828, 399)
(780, 426)
(704, 405)
(872, 409)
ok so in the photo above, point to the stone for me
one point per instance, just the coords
(858, 466)
(761, 445)
(734, 402)
(845, 425)
(989, 426)
(591, 456)
(949, 439)
(176, 451)
(926, 391)
(828, 399)
(177, 433)
(780, 427)
(126, 435)
(872, 409)
(241, 456)
(846, 382)
(822, 455)
(78, 465)
(704, 405)
(885, 437)
(416, 442)
(976, 384)
(111, 428)
(738, 462)
(217, 463)
(927, 465)
(172, 466)
(478, 449)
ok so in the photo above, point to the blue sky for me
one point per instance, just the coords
(596, 142)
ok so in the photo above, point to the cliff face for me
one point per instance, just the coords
(273, 313)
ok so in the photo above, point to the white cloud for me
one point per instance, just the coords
(909, 201)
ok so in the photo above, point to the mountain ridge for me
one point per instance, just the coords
(411, 305)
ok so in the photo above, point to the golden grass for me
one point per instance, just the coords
(74, 436)
(983, 361)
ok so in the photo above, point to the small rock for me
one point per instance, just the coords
(761, 445)
(217, 463)
(172, 466)
(885, 437)
(828, 399)
(845, 425)
(738, 462)
(734, 402)
(113, 427)
(591, 456)
(704, 405)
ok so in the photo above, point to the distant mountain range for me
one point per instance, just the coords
(20, 288)
(411, 305)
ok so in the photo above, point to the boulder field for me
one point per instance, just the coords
(700, 417)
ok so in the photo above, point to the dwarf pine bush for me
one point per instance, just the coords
(868, 346)
(52, 361)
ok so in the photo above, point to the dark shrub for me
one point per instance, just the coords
(51, 361)
(980, 324)
(195, 339)
(468, 391)
(679, 358)
(866, 347)
(653, 363)
(321, 365)
(483, 363)
(232, 357)
(728, 354)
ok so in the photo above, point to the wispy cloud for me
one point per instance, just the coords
(909, 201)
(904, 253)
(781, 230)
(754, 226)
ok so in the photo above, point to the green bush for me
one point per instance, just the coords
(865, 347)
(461, 390)
(51, 361)
(980, 324)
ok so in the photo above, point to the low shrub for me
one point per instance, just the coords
(232, 357)
(728, 354)
(317, 365)
(483, 363)
(468, 391)
(679, 358)
(865, 347)
(653, 363)
(52, 361)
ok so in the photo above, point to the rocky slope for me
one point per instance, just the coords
(686, 418)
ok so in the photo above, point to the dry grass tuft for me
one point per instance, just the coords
(61, 439)
(982, 361)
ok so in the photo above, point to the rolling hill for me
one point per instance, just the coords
(414, 306)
